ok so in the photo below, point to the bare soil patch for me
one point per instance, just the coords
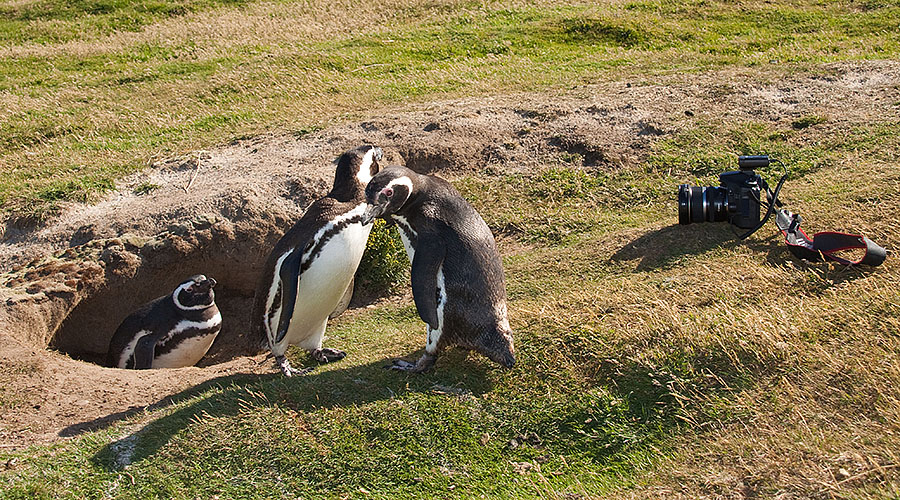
(67, 285)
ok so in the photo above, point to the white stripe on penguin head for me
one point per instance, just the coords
(183, 307)
(401, 181)
(364, 174)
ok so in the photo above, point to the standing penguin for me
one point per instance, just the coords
(309, 273)
(172, 331)
(457, 276)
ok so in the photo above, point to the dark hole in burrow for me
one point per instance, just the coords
(87, 330)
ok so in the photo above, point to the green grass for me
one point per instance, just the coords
(632, 369)
(651, 357)
(82, 92)
(385, 265)
(51, 21)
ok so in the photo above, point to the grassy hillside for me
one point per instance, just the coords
(94, 89)
(653, 360)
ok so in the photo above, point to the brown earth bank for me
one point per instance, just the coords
(69, 283)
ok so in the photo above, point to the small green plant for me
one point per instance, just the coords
(145, 188)
(807, 121)
(384, 265)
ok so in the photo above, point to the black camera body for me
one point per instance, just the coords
(736, 200)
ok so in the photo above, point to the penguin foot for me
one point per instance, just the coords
(288, 370)
(422, 365)
(327, 355)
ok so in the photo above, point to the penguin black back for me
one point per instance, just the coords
(457, 276)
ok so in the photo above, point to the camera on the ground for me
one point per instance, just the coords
(736, 200)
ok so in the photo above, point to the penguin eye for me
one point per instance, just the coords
(190, 289)
(388, 192)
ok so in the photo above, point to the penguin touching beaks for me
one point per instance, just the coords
(309, 273)
(172, 331)
(457, 275)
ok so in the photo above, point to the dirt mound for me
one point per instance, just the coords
(67, 285)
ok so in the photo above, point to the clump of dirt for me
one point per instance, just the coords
(67, 285)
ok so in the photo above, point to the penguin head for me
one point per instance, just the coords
(387, 192)
(195, 293)
(357, 166)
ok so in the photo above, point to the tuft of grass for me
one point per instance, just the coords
(588, 30)
(808, 121)
(145, 188)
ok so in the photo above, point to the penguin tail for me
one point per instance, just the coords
(498, 347)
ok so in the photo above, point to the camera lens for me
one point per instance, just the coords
(702, 204)
(684, 204)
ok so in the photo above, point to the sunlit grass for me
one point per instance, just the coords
(86, 97)
(651, 358)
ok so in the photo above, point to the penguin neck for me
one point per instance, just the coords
(198, 314)
(345, 190)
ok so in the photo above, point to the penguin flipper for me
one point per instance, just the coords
(144, 352)
(426, 263)
(290, 279)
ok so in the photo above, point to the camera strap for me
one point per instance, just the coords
(824, 245)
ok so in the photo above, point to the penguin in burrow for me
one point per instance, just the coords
(457, 275)
(172, 331)
(308, 276)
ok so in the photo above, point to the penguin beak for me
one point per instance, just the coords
(372, 212)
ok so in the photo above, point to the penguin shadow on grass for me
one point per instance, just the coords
(456, 373)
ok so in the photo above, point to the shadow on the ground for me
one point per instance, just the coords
(667, 246)
(320, 389)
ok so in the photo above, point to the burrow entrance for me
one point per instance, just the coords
(137, 272)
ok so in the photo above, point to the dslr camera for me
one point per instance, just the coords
(736, 199)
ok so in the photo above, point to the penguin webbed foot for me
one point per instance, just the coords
(327, 355)
(288, 370)
(422, 365)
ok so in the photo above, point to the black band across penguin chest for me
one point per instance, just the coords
(178, 327)
(315, 247)
(169, 344)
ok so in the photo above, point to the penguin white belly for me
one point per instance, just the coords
(323, 283)
(188, 352)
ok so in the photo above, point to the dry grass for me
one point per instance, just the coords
(94, 103)
(745, 372)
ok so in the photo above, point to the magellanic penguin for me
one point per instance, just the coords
(171, 331)
(309, 273)
(457, 276)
